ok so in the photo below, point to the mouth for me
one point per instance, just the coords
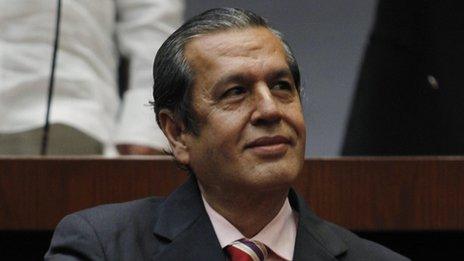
(269, 146)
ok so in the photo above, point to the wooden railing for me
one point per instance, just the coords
(365, 193)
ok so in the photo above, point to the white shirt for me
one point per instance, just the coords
(93, 33)
(279, 234)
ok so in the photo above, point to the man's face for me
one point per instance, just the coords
(251, 127)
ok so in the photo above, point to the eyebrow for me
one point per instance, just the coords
(281, 73)
(243, 78)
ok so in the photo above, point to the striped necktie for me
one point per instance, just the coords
(247, 250)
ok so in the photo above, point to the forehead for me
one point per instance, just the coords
(252, 50)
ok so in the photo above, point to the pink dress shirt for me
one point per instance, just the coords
(279, 235)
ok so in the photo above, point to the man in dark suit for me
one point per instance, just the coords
(227, 96)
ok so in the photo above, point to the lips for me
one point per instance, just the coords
(268, 141)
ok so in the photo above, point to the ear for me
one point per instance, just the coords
(174, 131)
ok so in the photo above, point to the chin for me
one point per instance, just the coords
(274, 175)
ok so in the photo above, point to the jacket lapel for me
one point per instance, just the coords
(315, 240)
(183, 227)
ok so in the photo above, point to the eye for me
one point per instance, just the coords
(282, 86)
(235, 91)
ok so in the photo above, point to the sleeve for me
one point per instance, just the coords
(143, 25)
(75, 239)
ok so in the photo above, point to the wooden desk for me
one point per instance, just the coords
(369, 194)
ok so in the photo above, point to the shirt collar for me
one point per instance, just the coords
(279, 234)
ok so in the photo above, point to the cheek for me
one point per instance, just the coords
(296, 120)
(301, 127)
(227, 127)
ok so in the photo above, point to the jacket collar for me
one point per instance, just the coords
(184, 229)
(315, 239)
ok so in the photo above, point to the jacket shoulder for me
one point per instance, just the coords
(106, 232)
(362, 249)
(118, 213)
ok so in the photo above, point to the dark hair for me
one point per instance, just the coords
(173, 77)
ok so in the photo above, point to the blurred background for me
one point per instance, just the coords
(379, 77)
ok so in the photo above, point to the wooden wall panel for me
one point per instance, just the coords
(371, 194)
(387, 194)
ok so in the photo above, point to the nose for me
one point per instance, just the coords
(267, 111)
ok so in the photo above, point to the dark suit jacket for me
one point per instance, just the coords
(410, 97)
(178, 228)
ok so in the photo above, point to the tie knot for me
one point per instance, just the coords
(247, 250)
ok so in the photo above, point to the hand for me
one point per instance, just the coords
(130, 149)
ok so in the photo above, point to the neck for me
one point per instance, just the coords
(249, 212)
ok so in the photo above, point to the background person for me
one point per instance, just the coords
(87, 115)
(409, 97)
